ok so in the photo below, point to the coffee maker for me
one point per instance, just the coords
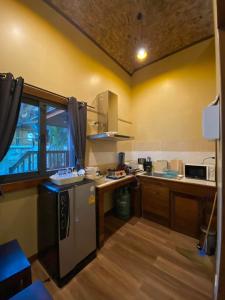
(145, 164)
(148, 165)
(141, 162)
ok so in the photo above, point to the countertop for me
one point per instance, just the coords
(113, 181)
(183, 180)
(109, 182)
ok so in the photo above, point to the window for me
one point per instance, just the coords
(22, 156)
(57, 145)
(41, 141)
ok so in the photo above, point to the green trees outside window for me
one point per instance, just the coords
(40, 143)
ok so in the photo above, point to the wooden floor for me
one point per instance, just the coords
(141, 260)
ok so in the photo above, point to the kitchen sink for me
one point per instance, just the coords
(166, 174)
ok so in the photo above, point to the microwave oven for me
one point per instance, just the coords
(204, 172)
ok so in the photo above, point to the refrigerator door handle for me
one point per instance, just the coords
(68, 225)
(68, 220)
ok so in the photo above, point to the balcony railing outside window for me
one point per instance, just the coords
(29, 153)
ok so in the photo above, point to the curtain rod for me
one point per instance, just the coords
(53, 94)
(92, 107)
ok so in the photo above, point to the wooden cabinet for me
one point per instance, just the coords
(183, 207)
(156, 202)
(186, 214)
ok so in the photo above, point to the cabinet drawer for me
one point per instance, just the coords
(157, 190)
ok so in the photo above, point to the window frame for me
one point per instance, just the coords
(41, 98)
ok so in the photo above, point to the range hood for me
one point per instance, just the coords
(107, 109)
(110, 136)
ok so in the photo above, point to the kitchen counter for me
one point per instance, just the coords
(112, 182)
(184, 205)
(186, 185)
(183, 180)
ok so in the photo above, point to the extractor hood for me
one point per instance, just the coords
(110, 136)
(107, 111)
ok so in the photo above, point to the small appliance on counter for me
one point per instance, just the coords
(201, 171)
(66, 228)
(121, 170)
(148, 165)
(145, 164)
(141, 163)
(133, 167)
(115, 174)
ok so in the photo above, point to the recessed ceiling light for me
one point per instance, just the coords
(141, 54)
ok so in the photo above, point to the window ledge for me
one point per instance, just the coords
(22, 184)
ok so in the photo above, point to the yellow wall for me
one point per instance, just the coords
(40, 45)
(18, 219)
(48, 52)
(168, 98)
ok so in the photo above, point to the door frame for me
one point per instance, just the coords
(219, 19)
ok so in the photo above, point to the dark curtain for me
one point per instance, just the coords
(10, 100)
(77, 112)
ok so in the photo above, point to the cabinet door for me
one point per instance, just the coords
(155, 202)
(84, 221)
(186, 214)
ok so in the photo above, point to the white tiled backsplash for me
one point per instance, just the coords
(187, 157)
(100, 158)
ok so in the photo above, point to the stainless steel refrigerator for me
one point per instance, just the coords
(66, 228)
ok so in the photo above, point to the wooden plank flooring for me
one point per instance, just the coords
(141, 260)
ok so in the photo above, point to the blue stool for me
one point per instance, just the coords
(15, 270)
(35, 291)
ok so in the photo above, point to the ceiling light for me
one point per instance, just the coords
(141, 54)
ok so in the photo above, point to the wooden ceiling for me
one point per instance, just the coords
(165, 26)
